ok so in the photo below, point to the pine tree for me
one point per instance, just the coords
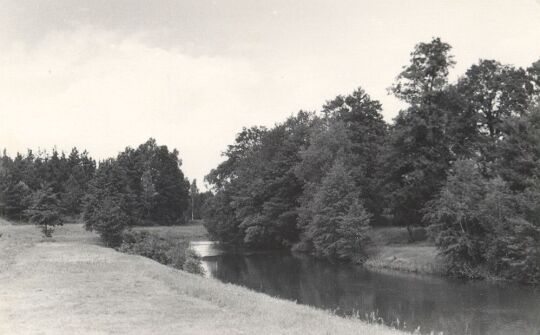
(108, 219)
(16, 200)
(72, 195)
(45, 211)
(340, 223)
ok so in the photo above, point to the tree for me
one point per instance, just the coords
(148, 196)
(106, 205)
(427, 73)
(16, 200)
(481, 226)
(258, 187)
(193, 193)
(171, 196)
(72, 196)
(514, 246)
(366, 134)
(495, 92)
(455, 219)
(109, 220)
(420, 150)
(329, 142)
(518, 153)
(340, 223)
(45, 211)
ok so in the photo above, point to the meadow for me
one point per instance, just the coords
(73, 285)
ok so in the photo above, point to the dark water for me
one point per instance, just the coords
(431, 303)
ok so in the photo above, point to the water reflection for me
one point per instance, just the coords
(430, 303)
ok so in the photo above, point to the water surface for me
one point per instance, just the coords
(431, 303)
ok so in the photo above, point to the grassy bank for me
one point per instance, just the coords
(393, 251)
(408, 258)
(194, 231)
(73, 285)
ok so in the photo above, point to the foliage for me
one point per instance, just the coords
(68, 178)
(458, 154)
(340, 223)
(197, 202)
(420, 149)
(108, 218)
(455, 219)
(461, 157)
(481, 226)
(175, 253)
(426, 74)
(142, 186)
(518, 154)
(256, 188)
(352, 130)
(44, 211)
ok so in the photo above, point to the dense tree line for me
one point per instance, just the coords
(142, 186)
(462, 158)
(26, 180)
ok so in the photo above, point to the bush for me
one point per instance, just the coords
(44, 211)
(175, 253)
(108, 219)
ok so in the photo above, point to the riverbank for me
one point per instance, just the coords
(391, 250)
(73, 285)
(420, 259)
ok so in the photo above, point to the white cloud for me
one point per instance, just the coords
(90, 89)
(103, 91)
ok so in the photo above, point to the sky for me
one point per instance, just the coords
(106, 74)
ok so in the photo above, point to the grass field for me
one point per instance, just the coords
(393, 251)
(73, 285)
(192, 232)
(409, 258)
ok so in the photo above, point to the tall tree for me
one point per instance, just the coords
(259, 184)
(366, 131)
(518, 153)
(420, 150)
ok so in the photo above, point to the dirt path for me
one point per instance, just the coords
(73, 286)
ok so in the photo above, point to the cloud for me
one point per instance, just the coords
(103, 91)
(98, 91)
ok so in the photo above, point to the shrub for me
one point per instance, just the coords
(44, 211)
(108, 219)
(192, 262)
(175, 253)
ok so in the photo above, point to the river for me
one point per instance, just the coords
(406, 301)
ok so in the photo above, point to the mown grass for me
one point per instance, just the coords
(408, 258)
(392, 250)
(14, 239)
(194, 231)
(72, 285)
